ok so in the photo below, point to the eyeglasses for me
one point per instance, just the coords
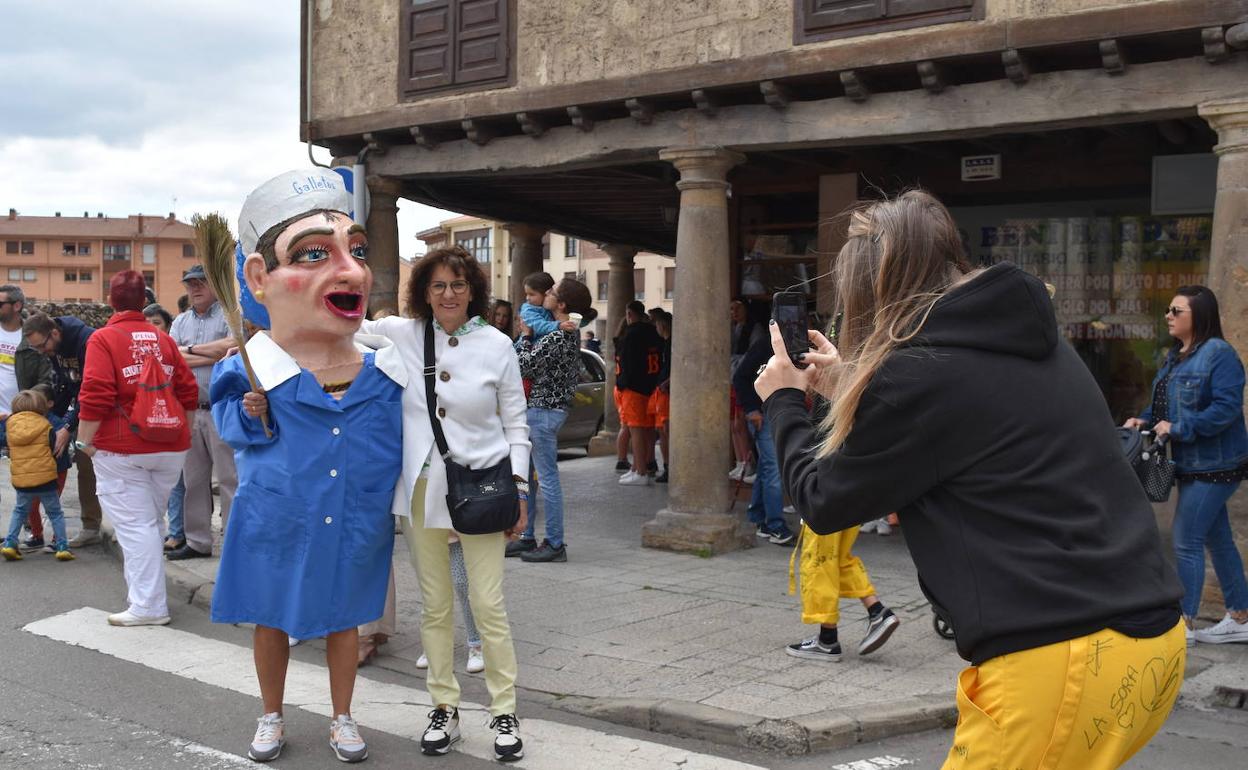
(1176, 311)
(4, 302)
(456, 287)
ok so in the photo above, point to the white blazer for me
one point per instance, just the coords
(478, 384)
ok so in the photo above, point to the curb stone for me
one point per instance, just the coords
(807, 734)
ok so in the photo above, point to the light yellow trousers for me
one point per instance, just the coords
(1085, 704)
(483, 556)
(827, 572)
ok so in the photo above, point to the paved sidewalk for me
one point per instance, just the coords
(694, 646)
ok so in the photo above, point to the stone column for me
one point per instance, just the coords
(526, 257)
(1228, 270)
(697, 518)
(620, 291)
(383, 242)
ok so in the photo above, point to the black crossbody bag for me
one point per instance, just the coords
(482, 501)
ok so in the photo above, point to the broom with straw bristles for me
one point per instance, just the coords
(216, 249)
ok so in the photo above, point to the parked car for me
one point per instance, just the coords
(585, 415)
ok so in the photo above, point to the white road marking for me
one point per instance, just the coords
(216, 754)
(377, 705)
(874, 763)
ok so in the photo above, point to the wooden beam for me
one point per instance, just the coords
(1214, 39)
(478, 133)
(531, 124)
(1149, 91)
(1017, 66)
(581, 118)
(425, 137)
(642, 110)
(705, 101)
(778, 95)
(377, 145)
(933, 76)
(1113, 58)
(855, 85)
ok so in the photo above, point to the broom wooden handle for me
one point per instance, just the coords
(251, 377)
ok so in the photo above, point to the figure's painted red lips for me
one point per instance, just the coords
(346, 304)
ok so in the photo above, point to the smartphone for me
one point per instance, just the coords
(788, 310)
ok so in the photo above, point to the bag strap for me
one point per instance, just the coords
(431, 395)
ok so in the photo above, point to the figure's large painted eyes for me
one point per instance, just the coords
(360, 251)
(310, 254)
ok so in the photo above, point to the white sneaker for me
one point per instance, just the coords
(442, 732)
(882, 527)
(507, 744)
(1226, 630)
(128, 618)
(476, 661)
(269, 740)
(84, 538)
(869, 526)
(345, 739)
(790, 510)
(750, 479)
(632, 479)
(422, 662)
(737, 472)
(293, 641)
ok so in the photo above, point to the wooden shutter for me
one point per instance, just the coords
(426, 45)
(822, 14)
(914, 7)
(481, 37)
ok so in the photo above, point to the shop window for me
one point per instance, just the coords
(28, 247)
(452, 44)
(71, 276)
(669, 283)
(603, 280)
(188, 250)
(570, 247)
(10, 247)
(149, 253)
(826, 19)
(639, 284)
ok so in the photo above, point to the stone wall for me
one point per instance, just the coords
(355, 42)
(94, 314)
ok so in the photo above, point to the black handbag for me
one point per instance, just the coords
(482, 501)
(1150, 462)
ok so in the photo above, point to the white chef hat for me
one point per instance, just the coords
(289, 195)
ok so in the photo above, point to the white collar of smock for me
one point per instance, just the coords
(273, 366)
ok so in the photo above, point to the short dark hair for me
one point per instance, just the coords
(1206, 320)
(637, 307)
(156, 310)
(539, 281)
(267, 245)
(462, 264)
(38, 323)
(15, 293)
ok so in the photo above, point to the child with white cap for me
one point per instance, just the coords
(307, 550)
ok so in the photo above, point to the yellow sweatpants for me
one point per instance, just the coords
(483, 556)
(828, 572)
(1085, 704)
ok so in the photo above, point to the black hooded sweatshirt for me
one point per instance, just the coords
(990, 438)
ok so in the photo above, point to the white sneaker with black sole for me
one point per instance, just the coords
(879, 628)
(507, 744)
(813, 649)
(345, 740)
(1225, 631)
(442, 732)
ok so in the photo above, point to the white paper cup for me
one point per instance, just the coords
(575, 318)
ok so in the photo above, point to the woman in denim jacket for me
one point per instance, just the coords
(1198, 398)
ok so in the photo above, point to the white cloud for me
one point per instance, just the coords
(123, 107)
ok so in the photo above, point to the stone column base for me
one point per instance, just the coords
(704, 534)
(602, 444)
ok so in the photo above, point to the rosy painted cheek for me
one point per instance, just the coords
(294, 284)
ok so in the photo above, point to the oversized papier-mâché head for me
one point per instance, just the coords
(306, 259)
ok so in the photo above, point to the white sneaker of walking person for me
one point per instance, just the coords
(882, 527)
(1225, 631)
(737, 473)
(422, 662)
(269, 740)
(442, 732)
(633, 479)
(345, 740)
(476, 661)
(869, 526)
(128, 618)
(84, 538)
(507, 744)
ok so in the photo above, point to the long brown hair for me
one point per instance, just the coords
(902, 255)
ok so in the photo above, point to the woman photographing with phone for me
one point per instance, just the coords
(1030, 532)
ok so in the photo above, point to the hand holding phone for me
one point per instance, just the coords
(788, 310)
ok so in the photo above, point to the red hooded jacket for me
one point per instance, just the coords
(115, 356)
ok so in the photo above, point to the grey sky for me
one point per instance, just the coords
(121, 106)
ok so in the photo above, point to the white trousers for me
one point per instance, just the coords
(133, 491)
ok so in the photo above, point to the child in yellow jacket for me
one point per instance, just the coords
(31, 438)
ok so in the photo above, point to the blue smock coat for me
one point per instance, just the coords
(310, 538)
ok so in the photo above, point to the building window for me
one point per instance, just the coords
(603, 276)
(69, 249)
(10, 247)
(639, 284)
(71, 276)
(669, 283)
(149, 253)
(116, 251)
(188, 250)
(476, 243)
(30, 276)
(84, 276)
(84, 249)
(450, 44)
(570, 247)
(149, 278)
(28, 247)
(826, 19)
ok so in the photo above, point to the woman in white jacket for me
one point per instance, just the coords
(481, 405)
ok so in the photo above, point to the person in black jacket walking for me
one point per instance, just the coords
(958, 405)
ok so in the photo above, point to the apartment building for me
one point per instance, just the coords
(71, 259)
